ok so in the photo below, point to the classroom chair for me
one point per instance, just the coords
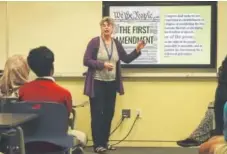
(50, 127)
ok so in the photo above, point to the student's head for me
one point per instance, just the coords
(41, 61)
(222, 72)
(106, 25)
(16, 73)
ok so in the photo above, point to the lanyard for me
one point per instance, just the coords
(107, 51)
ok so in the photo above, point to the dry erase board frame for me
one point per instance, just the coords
(213, 30)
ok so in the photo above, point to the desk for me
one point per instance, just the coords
(14, 120)
(9, 120)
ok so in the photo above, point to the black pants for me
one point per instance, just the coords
(220, 99)
(102, 108)
(219, 120)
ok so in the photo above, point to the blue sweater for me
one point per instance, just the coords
(225, 121)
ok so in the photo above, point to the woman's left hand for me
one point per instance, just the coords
(140, 45)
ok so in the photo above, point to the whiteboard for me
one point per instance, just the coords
(64, 27)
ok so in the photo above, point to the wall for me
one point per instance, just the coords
(3, 34)
(61, 26)
(171, 107)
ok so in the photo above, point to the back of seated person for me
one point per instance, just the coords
(44, 88)
(15, 74)
(217, 144)
(220, 144)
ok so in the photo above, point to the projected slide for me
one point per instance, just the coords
(175, 35)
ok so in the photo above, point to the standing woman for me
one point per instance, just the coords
(103, 80)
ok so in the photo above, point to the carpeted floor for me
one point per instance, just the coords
(150, 151)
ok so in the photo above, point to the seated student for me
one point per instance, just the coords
(16, 73)
(44, 88)
(205, 129)
(220, 103)
(221, 147)
(217, 144)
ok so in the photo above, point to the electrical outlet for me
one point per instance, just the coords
(139, 113)
(126, 113)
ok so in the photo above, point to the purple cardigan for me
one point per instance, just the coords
(90, 60)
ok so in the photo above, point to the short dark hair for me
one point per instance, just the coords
(40, 61)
